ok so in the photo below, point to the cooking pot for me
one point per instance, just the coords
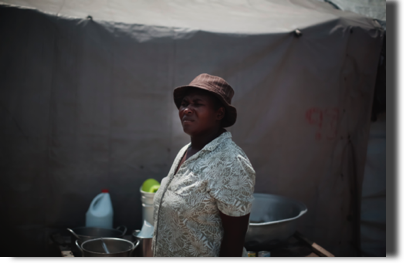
(107, 247)
(272, 221)
(86, 233)
(145, 247)
(145, 236)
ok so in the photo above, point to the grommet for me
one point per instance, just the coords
(298, 33)
(89, 17)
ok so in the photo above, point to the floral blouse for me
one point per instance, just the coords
(186, 207)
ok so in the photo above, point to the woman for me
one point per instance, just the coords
(202, 207)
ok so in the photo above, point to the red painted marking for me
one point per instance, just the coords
(314, 116)
(326, 121)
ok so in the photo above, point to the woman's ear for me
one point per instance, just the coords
(220, 113)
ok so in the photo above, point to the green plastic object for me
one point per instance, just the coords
(154, 188)
(149, 185)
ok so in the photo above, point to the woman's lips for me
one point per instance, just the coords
(186, 120)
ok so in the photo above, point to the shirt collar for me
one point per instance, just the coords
(207, 148)
(212, 145)
(217, 141)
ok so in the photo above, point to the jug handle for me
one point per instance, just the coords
(76, 243)
(73, 233)
(124, 231)
(95, 200)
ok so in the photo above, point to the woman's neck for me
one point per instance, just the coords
(199, 141)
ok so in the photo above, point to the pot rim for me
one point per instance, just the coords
(301, 205)
(121, 233)
(104, 238)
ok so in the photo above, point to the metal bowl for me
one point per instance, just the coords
(272, 221)
(107, 247)
(86, 233)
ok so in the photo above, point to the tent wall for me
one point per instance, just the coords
(373, 210)
(371, 8)
(87, 105)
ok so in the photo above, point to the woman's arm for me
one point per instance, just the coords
(235, 229)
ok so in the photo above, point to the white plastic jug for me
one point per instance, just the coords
(147, 206)
(100, 213)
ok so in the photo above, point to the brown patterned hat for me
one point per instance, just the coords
(218, 87)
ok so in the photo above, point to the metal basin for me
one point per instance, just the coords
(83, 234)
(107, 247)
(272, 221)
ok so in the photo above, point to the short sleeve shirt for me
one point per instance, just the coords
(186, 207)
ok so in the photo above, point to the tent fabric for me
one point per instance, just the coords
(229, 16)
(371, 8)
(373, 209)
(87, 104)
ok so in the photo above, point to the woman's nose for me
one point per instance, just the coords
(187, 110)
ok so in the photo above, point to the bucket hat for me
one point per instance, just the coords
(215, 85)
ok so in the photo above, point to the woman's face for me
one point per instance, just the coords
(198, 114)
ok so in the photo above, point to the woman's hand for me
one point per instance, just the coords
(235, 229)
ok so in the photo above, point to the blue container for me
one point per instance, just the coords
(100, 212)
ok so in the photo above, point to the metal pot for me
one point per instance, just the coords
(272, 221)
(83, 234)
(107, 247)
(145, 247)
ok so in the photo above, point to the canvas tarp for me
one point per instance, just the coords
(373, 202)
(371, 8)
(87, 104)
